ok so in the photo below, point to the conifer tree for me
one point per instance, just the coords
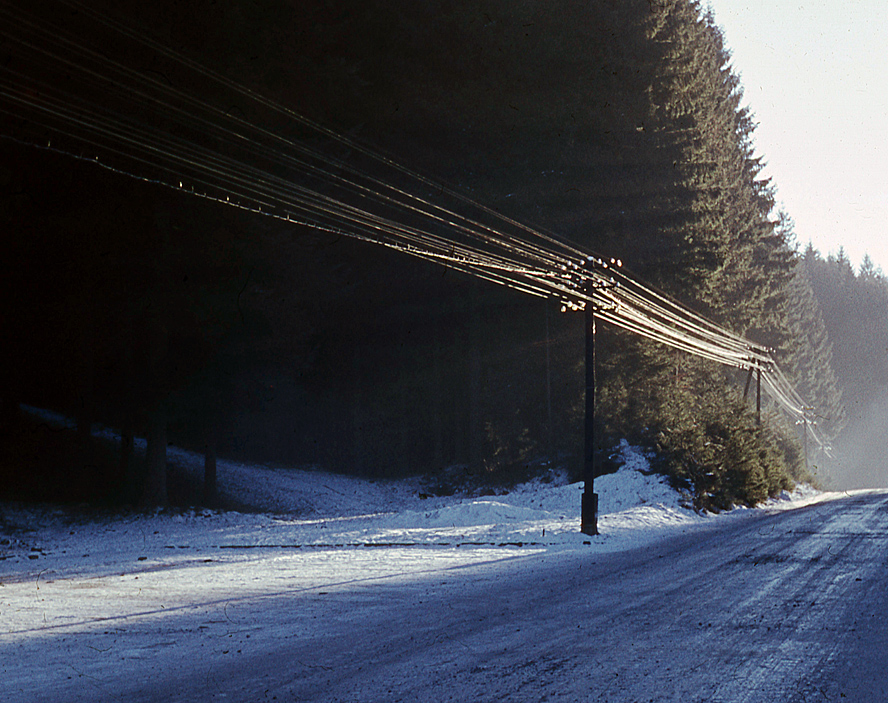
(731, 259)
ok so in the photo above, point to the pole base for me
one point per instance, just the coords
(589, 519)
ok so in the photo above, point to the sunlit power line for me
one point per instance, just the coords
(220, 156)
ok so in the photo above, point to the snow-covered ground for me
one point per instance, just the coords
(333, 527)
(68, 576)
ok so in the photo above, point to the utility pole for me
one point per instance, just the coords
(758, 396)
(808, 419)
(548, 394)
(589, 520)
(805, 440)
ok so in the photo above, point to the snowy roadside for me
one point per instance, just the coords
(61, 570)
(300, 509)
(91, 603)
(304, 508)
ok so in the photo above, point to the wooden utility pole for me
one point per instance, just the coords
(758, 397)
(589, 520)
(805, 440)
(549, 451)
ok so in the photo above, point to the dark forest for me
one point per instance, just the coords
(619, 125)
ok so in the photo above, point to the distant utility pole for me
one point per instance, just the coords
(589, 520)
(758, 391)
(758, 396)
(805, 440)
(808, 418)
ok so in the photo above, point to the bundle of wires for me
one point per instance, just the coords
(86, 99)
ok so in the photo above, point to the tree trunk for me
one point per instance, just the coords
(407, 434)
(9, 405)
(85, 410)
(438, 402)
(354, 395)
(154, 489)
(211, 493)
(154, 493)
(127, 468)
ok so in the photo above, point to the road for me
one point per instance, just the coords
(786, 606)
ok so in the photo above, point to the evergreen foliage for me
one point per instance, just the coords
(854, 310)
(854, 307)
(807, 353)
(735, 265)
(620, 125)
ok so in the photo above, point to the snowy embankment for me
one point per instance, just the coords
(299, 509)
(120, 599)
(63, 569)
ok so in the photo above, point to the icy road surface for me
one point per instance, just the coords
(363, 591)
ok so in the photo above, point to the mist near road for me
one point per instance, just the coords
(862, 451)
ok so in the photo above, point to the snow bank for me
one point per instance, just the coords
(73, 584)
(304, 508)
(316, 508)
(313, 510)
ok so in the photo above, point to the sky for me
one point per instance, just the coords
(814, 78)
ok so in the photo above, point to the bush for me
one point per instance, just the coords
(715, 451)
(690, 413)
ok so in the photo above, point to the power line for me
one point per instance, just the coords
(223, 157)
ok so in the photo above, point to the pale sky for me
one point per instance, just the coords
(815, 75)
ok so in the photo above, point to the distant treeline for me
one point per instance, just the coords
(620, 125)
(855, 311)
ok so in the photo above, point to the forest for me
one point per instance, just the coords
(619, 125)
(853, 305)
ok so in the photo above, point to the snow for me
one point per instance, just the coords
(337, 525)
(66, 574)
